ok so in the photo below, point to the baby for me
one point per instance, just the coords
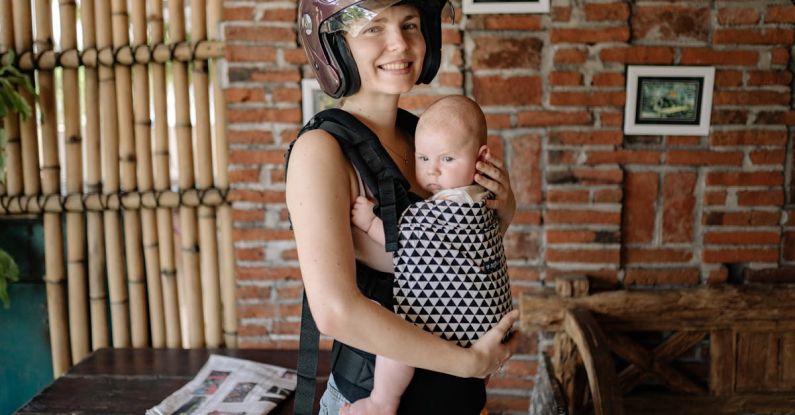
(449, 140)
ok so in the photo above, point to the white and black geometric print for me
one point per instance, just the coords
(450, 271)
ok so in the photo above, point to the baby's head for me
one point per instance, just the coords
(450, 137)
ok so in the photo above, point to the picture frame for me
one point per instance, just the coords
(668, 100)
(507, 7)
(314, 100)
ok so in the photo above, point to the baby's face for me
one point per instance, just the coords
(444, 159)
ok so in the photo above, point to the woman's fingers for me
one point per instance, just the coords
(492, 175)
(492, 348)
(507, 321)
(493, 160)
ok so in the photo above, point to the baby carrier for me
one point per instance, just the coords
(429, 392)
(450, 269)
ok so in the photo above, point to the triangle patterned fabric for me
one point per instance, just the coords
(450, 270)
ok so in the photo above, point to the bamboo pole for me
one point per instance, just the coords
(188, 237)
(168, 271)
(75, 224)
(120, 315)
(136, 278)
(23, 40)
(95, 202)
(143, 144)
(211, 296)
(13, 173)
(97, 287)
(50, 172)
(126, 56)
(224, 211)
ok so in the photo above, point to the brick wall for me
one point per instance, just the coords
(631, 211)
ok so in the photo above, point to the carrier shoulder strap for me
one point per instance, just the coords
(363, 149)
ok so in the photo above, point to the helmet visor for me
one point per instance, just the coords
(355, 18)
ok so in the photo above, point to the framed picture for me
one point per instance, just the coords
(504, 6)
(314, 100)
(670, 100)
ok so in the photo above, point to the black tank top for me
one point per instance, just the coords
(429, 392)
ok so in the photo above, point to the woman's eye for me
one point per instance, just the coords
(410, 26)
(372, 30)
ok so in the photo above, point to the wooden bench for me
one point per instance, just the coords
(745, 335)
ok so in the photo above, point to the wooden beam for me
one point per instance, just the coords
(568, 365)
(666, 404)
(787, 356)
(746, 308)
(757, 362)
(655, 363)
(722, 362)
(668, 350)
(590, 341)
(572, 286)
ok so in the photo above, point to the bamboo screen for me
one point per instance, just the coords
(124, 95)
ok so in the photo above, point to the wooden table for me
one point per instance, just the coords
(130, 381)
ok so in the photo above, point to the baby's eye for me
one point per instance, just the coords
(422, 158)
(447, 159)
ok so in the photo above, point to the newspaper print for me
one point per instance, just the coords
(230, 386)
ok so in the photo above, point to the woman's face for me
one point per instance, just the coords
(389, 51)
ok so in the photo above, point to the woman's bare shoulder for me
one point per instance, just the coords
(314, 143)
(315, 151)
(317, 167)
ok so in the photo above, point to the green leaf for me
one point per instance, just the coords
(9, 272)
(2, 154)
(4, 294)
(12, 80)
(17, 102)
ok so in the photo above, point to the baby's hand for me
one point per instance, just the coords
(362, 213)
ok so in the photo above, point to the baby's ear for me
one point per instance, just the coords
(482, 152)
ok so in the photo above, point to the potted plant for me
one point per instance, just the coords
(11, 79)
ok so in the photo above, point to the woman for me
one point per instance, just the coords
(370, 52)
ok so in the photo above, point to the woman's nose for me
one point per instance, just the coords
(397, 40)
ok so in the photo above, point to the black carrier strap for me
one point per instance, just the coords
(307, 362)
(379, 173)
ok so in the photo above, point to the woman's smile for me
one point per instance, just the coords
(397, 68)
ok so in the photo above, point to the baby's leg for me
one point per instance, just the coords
(391, 379)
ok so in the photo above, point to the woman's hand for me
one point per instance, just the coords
(493, 176)
(492, 350)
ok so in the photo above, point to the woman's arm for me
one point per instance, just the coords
(319, 197)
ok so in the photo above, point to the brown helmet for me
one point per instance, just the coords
(321, 24)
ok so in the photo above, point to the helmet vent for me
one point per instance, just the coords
(306, 22)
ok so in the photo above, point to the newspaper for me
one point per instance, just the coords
(230, 386)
